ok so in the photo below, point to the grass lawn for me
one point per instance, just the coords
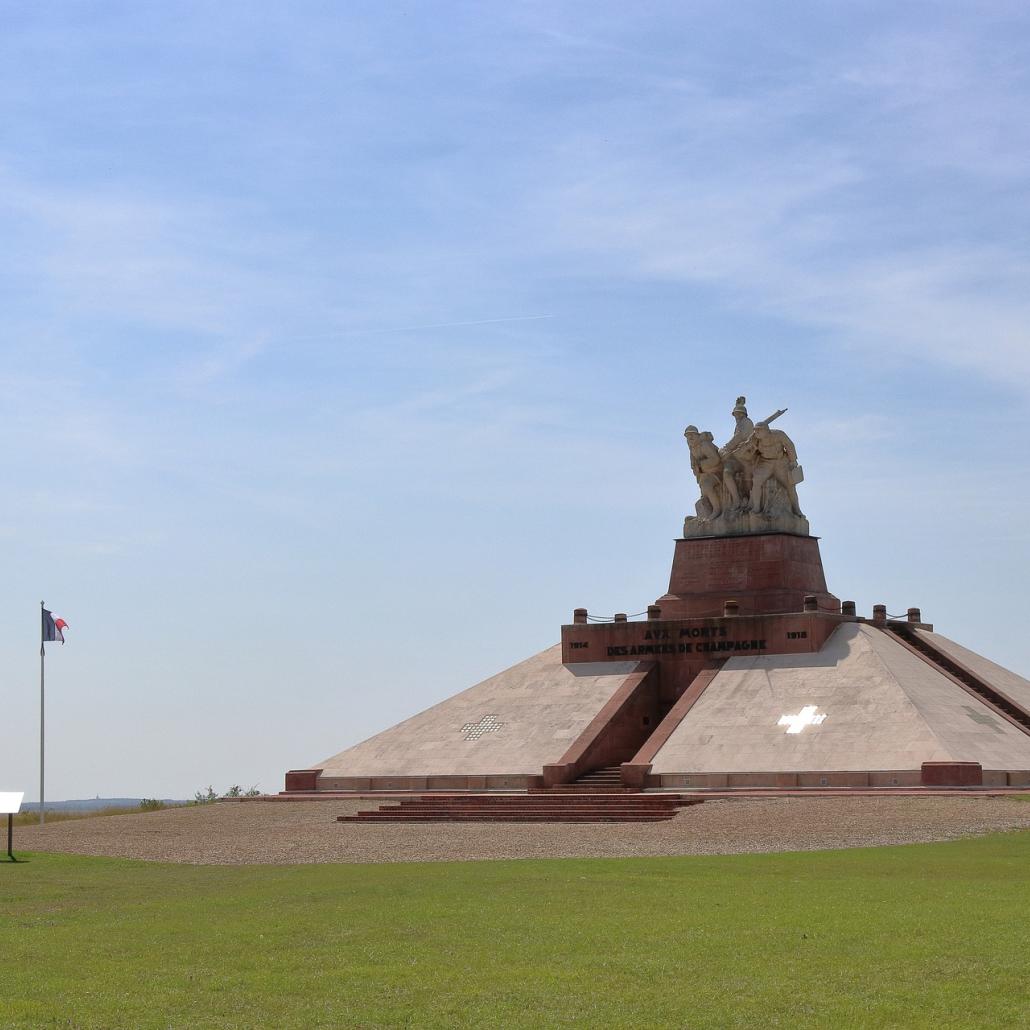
(922, 936)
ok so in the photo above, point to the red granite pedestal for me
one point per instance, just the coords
(765, 574)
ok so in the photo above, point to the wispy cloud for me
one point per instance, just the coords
(848, 230)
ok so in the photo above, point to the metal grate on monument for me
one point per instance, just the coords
(474, 730)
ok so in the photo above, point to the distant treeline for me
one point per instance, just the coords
(88, 804)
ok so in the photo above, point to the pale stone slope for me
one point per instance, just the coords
(885, 709)
(541, 706)
(1016, 687)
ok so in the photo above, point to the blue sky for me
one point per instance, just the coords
(348, 347)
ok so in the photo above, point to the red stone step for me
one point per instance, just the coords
(591, 788)
(552, 800)
(466, 809)
(496, 817)
(580, 806)
(547, 799)
(527, 808)
(459, 809)
(484, 812)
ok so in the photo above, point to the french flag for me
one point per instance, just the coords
(53, 627)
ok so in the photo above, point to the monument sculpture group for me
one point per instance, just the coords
(748, 485)
(747, 672)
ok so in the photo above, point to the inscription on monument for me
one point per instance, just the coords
(696, 640)
(702, 647)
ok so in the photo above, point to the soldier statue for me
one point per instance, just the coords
(706, 464)
(734, 466)
(775, 458)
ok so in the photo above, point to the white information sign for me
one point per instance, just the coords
(10, 801)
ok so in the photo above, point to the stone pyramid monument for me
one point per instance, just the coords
(747, 672)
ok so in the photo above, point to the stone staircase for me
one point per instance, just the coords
(607, 780)
(1001, 703)
(527, 808)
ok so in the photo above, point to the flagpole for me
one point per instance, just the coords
(42, 659)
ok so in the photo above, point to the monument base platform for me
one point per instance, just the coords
(808, 700)
(747, 675)
(764, 573)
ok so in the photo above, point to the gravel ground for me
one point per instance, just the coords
(281, 833)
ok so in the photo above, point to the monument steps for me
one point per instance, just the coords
(607, 780)
(598, 803)
(521, 817)
(379, 817)
(966, 678)
(586, 788)
(509, 798)
(593, 802)
(607, 774)
(529, 808)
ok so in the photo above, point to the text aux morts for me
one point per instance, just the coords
(701, 646)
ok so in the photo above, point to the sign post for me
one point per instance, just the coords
(10, 803)
(42, 708)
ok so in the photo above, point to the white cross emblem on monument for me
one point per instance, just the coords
(806, 717)
(474, 730)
